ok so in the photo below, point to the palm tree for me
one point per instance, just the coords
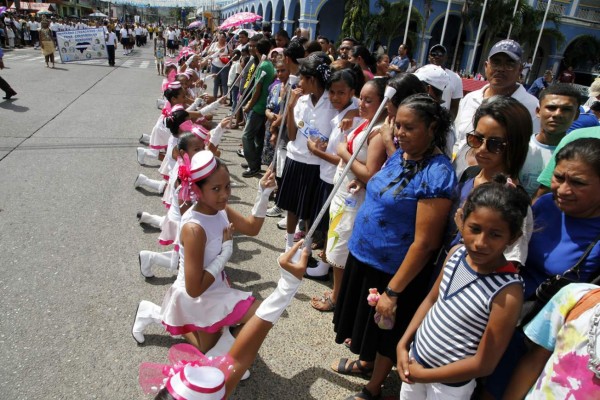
(390, 22)
(356, 13)
(527, 26)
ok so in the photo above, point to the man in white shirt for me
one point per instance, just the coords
(34, 28)
(138, 36)
(454, 91)
(559, 107)
(502, 69)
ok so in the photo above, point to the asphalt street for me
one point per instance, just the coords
(69, 238)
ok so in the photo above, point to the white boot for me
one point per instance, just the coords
(145, 139)
(150, 219)
(147, 313)
(142, 153)
(143, 180)
(150, 258)
(223, 346)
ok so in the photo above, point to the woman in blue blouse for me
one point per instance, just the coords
(396, 233)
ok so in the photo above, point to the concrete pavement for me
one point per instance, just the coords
(69, 238)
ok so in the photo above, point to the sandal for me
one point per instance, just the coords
(348, 342)
(323, 304)
(352, 368)
(365, 395)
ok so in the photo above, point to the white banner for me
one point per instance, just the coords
(81, 45)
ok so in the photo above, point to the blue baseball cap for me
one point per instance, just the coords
(508, 47)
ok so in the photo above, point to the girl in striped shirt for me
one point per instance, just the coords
(462, 328)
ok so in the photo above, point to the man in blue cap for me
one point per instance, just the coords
(502, 70)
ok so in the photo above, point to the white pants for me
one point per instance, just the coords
(436, 391)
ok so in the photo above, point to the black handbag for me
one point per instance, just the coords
(547, 289)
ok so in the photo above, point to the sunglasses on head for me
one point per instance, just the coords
(492, 145)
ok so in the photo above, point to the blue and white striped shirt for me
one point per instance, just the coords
(453, 327)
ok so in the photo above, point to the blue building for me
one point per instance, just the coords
(324, 17)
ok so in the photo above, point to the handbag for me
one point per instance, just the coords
(224, 60)
(548, 288)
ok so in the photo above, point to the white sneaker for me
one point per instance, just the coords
(140, 155)
(274, 212)
(282, 224)
(145, 258)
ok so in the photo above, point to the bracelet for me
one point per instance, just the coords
(391, 293)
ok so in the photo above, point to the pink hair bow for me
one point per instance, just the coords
(185, 176)
(153, 377)
(166, 111)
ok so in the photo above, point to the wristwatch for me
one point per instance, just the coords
(391, 293)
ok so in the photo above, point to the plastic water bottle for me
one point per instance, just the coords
(351, 200)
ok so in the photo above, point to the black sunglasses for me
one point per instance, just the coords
(492, 145)
(437, 54)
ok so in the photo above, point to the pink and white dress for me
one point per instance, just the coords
(220, 305)
(159, 138)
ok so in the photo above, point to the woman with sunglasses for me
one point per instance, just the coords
(499, 144)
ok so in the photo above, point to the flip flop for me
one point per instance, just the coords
(346, 368)
(364, 394)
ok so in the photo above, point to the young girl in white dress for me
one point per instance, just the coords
(200, 302)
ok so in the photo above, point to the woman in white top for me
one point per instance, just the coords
(308, 115)
(218, 52)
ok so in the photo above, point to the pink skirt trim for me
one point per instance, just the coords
(165, 242)
(240, 309)
(158, 147)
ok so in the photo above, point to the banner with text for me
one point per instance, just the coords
(81, 45)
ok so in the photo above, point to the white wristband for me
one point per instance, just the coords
(217, 265)
(215, 135)
(271, 309)
(210, 109)
(261, 204)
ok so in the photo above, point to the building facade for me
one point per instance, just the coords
(579, 18)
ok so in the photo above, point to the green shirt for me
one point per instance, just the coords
(546, 176)
(266, 66)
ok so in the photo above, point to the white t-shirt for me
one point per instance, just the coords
(138, 31)
(236, 68)
(454, 90)
(124, 34)
(308, 116)
(538, 157)
(327, 171)
(170, 35)
(112, 38)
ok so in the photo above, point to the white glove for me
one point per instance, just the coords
(271, 309)
(194, 105)
(215, 135)
(261, 204)
(190, 60)
(217, 265)
(210, 109)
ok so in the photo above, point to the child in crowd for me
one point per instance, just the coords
(160, 47)
(462, 328)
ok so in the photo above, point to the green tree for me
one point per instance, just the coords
(356, 14)
(390, 22)
(526, 23)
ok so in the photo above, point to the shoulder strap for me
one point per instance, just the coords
(589, 300)
(575, 268)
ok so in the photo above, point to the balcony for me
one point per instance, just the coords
(588, 13)
(556, 8)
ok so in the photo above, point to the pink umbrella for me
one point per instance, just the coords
(239, 19)
(196, 25)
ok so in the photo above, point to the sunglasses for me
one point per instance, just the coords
(492, 145)
(437, 54)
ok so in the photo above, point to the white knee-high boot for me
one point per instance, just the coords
(143, 153)
(151, 219)
(150, 258)
(223, 346)
(271, 309)
(157, 185)
(145, 139)
(147, 313)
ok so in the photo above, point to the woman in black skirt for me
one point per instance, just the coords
(309, 114)
(396, 232)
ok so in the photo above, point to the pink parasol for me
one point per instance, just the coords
(239, 19)
(196, 25)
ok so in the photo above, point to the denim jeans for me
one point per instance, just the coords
(235, 91)
(220, 79)
(253, 139)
